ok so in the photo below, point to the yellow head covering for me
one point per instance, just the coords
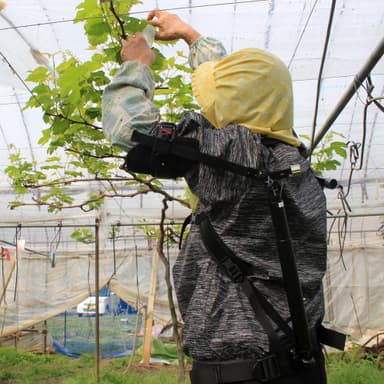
(250, 87)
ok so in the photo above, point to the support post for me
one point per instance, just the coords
(149, 313)
(8, 275)
(97, 322)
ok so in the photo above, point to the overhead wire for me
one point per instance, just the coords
(53, 31)
(366, 150)
(233, 25)
(24, 83)
(169, 9)
(36, 54)
(5, 139)
(302, 34)
(322, 63)
(26, 129)
(12, 68)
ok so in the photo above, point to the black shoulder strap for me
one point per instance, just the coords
(181, 147)
(264, 311)
(231, 266)
(188, 150)
(303, 341)
(184, 148)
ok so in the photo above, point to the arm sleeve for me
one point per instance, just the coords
(205, 49)
(127, 104)
(127, 100)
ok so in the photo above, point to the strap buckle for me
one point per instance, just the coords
(166, 130)
(267, 369)
(233, 270)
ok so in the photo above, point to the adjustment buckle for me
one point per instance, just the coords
(267, 369)
(233, 270)
(166, 131)
(295, 169)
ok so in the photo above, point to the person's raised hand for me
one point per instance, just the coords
(170, 27)
(135, 48)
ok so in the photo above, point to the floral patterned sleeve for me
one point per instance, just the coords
(127, 104)
(205, 49)
(128, 99)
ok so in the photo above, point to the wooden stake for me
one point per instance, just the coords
(8, 274)
(149, 312)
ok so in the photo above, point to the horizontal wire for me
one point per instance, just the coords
(133, 13)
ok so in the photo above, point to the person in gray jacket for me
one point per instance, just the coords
(246, 118)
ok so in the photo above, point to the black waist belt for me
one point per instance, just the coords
(263, 370)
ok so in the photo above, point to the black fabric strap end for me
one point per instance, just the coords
(331, 338)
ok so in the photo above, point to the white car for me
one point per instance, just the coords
(107, 304)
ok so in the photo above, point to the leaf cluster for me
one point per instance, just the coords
(327, 154)
(69, 94)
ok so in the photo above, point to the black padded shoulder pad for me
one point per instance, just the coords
(159, 157)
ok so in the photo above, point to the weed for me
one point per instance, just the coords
(351, 368)
(24, 367)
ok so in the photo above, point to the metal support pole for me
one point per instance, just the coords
(351, 90)
(97, 322)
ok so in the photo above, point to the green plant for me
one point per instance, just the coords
(25, 367)
(324, 157)
(70, 97)
(351, 368)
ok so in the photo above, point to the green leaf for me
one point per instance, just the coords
(75, 93)
(341, 152)
(97, 31)
(38, 75)
(73, 173)
(93, 113)
(59, 126)
(52, 159)
(68, 64)
(49, 167)
(99, 78)
(87, 9)
(113, 54)
(45, 137)
(83, 235)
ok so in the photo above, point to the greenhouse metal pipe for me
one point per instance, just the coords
(357, 81)
(97, 320)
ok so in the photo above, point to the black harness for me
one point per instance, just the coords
(166, 155)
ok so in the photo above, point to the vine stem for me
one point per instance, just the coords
(117, 17)
(160, 249)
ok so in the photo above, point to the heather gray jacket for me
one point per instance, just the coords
(219, 322)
